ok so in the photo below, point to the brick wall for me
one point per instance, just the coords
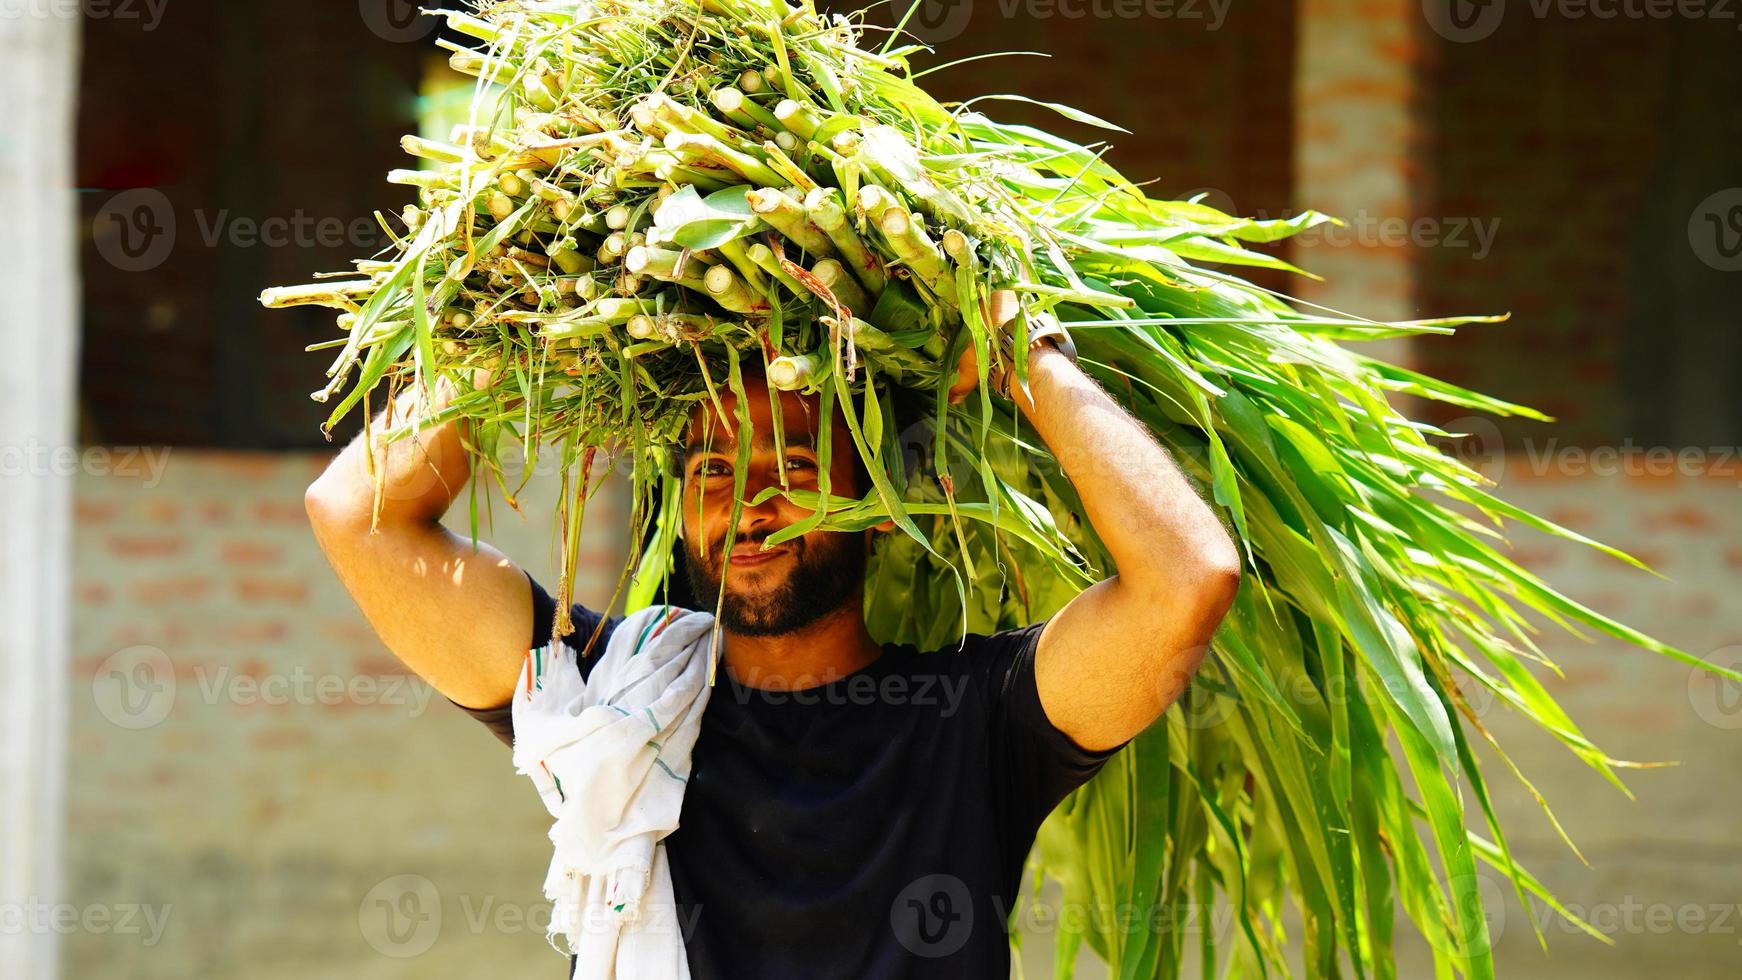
(271, 831)
(225, 147)
(1204, 87)
(279, 836)
(1674, 850)
(1591, 142)
(246, 754)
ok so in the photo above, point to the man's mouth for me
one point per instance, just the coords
(747, 556)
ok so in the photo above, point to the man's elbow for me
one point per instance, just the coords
(324, 506)
(1202, 582)
(1219, 583)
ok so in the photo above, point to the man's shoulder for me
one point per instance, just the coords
(978, 652)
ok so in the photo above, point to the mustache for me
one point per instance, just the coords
(717, 547)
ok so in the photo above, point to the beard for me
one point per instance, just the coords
(826, 571)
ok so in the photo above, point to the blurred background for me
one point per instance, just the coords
(213, 768)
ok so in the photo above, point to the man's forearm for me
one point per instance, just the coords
(419, 475)
(1160, 533)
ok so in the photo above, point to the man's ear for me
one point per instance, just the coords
(883, 526)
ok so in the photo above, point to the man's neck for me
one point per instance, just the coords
(834, 646)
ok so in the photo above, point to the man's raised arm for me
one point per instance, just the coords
(460, 618)
(1115, 657)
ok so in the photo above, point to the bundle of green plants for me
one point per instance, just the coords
(652, 196)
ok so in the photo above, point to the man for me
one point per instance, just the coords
(853, 810)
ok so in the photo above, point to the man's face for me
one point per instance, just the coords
(798, 582)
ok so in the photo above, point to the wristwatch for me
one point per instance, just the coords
(1043, 328)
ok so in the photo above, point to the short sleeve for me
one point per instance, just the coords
(586, 621)
(1034, 764)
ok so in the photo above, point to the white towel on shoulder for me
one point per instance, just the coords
(610, 757)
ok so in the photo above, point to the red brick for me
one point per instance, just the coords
(178, 588)
(379, 666)
(147, 545)
(94, 511)
(247, 552)
(263, 589)
(216, 511)
(280, 512)
(281, 738)
(1571, 516)
(164, 511)
(251, 632)
(1685, 517)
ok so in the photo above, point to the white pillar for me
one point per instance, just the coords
(38, 367)
(1355, 83)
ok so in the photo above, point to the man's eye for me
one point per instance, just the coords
(793, 462)
(713, 468)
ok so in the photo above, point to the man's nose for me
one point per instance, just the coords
(759, 516)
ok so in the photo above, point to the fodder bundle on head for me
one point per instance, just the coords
(652, 197)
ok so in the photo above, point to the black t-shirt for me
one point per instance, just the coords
(872, 828)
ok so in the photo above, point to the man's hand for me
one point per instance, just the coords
(1001, 308)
